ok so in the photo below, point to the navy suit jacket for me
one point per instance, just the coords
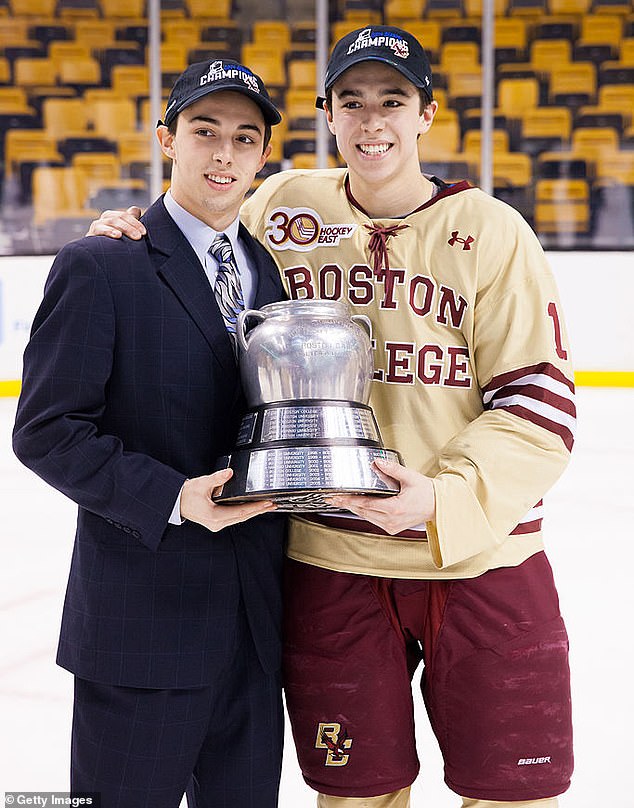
(130, 387)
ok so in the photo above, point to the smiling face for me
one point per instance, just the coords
(216, 151)
(376, 117)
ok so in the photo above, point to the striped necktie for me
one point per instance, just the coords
(227, 288)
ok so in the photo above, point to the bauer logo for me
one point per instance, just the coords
(303, 229)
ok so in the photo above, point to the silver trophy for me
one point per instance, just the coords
(306, 368)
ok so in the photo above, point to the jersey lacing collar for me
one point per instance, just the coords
(378, 244)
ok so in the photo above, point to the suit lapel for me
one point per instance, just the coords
(180, 268)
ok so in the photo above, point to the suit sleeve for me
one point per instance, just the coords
(57, 434)
(495, 471)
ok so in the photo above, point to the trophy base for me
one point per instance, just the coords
(298, 478)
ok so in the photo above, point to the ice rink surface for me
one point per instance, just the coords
(589, 529)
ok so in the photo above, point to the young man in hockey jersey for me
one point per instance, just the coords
(473, 385)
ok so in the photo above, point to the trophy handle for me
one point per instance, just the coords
(242, 318)
(364, 321)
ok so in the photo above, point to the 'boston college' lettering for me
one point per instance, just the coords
(405, 362)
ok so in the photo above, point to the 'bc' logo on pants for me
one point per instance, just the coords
(335, 741)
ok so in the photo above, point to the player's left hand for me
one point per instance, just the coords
(413, 505)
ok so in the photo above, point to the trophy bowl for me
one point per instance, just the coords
(306, 369)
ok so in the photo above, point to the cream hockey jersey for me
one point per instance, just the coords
(473, 383)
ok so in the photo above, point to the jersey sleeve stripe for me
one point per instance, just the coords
(540, 394)
(558, 428)
(543, 369)
(540, 407)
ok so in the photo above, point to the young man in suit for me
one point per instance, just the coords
(131, 392)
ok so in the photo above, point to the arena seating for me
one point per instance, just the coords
(75, 127)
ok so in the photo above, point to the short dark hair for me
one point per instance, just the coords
(267, 131)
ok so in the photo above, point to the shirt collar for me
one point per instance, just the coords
(199, 234)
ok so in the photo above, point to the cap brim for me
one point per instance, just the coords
(269, 110)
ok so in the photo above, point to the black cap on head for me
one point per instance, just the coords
(380, 43)
(212, 76)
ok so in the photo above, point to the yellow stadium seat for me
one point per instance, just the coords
(532, 10)
(33, 72)
(396, 11)
(112, 117)
(458, 56)
(33, 8)
(96, 169)
(511, 169)
(14, 100)
(80, 72)
(5, 71)
(510, 35)
(130, 81)
(562, 206)
(173, 57)
(302, 74)
(15, 30)
(95, 33)
(57, 192)
(123, 8)
(268, 64)
(617, 98)
(83, 10)
(593, 141)
(576, 80)
(135, 147)
(63, 51)
(28, 145)
(517, 96)
(300, 104)
(569, 7)
(465, 89)
(626, 52)
(617, 166)
(546, 127)
(185, 31)
(272, 34)
(547, 55)
(473, 8)
(64, 117)
(219, 10)
(600, 29)
(472, 141)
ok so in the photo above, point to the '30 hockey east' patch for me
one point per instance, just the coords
(335, 741)
(303, 229)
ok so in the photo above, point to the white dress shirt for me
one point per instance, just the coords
(201, 236)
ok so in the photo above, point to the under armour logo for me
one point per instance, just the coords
(455, 239)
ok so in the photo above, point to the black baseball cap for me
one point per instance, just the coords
(380, 43)
(214, 75)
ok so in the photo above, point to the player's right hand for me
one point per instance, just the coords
(115, 223)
